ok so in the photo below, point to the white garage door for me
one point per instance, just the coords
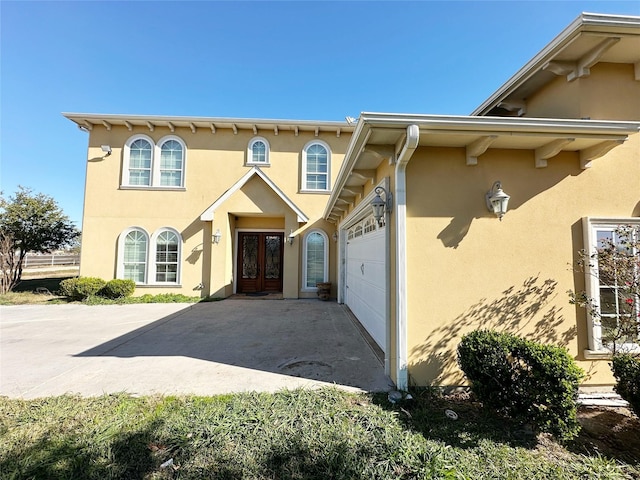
(365, 282)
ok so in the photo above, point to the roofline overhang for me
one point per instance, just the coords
(87, 120)
(585, 22)
(432, 125)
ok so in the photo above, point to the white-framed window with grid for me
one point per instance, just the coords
(315, 262)
(316, 167)
(614, 312)
(150, 260)
(258, 151)
(150, 164)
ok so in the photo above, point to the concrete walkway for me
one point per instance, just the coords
(204, 349)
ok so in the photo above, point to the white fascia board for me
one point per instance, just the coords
(505, 125)
(245, 122)
(208, 214)
(585, 22)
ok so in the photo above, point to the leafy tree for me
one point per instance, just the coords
(616, 265)
(30, 222)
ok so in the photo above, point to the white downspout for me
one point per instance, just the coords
(411, 143)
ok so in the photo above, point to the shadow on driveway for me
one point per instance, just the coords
(307, 339)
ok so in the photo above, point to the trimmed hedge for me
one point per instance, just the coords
(118, 288)
(526, 381)
(81, 288)
(626, 369)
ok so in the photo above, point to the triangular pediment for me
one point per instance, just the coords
(208, 214)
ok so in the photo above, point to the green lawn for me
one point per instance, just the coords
(325, 434)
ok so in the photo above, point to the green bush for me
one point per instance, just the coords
(118, 288)
(67, 287)
(526, 381)
(626, 369)
(87, 286)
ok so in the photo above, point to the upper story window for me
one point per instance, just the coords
(612, 279)
(316, 162)
(171, 163)
(149, 164)
(258, 152)
(139, 171)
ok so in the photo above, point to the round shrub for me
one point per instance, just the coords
(67, 287)
(118, 288)
(87, 286)
(626, 369)
(526, 381)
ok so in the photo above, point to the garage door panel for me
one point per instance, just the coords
(366, 283)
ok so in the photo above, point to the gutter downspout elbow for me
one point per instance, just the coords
(410, 146)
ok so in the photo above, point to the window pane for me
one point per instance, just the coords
(139, 177)
(135, 256)
(315, 259)
(170, 179)
(167, 257)
(171, 164)
(259, 152)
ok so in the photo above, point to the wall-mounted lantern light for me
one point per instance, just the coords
(335, 236)
(217, 236)
(497, 200)
(291, 237)
(381, 206)
(106, 149)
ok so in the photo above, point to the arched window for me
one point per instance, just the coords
(258, 151)
(132, 248)
(171, 163)
(167, 256)
(146, 164)
(138, 156)
(316, 160)
(315, 261)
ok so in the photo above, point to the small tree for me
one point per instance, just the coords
(30, 223)
(616, 306)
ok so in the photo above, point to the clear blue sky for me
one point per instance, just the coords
(297, 60)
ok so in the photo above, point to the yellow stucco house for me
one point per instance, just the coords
(220, 206)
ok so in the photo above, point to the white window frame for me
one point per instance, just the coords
(125, 181)
(150, 261)
(158, 155)
(305, 287)
(156, 149)
(250, 160)
(304, 187)
(592, 286)
(120, 256)
(152, 257)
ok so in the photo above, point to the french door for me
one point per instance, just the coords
(259, 266)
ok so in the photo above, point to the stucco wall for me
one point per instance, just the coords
(214, 162)
(467, 270)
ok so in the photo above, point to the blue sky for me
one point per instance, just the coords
(299, 60)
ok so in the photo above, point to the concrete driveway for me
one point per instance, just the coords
(204, 349)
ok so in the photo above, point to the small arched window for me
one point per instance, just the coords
(315, 262)
(316, 162)
(258, 152)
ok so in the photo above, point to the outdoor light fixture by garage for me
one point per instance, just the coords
(291, 237)
(381, 206)
(335, 236)
(497, 200)
(217, 236)
(106, 149)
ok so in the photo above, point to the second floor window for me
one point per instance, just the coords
(150, 164)
(258, 152)
(315, 167)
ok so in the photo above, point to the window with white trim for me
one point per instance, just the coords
(258, 151)
(154, 165)
(315, 262)
(133, 245)
(612, 284)
(316, 163)
(167, 256)
(149, 261)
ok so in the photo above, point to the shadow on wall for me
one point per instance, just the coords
(525, 309)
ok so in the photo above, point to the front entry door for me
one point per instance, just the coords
(260, 262)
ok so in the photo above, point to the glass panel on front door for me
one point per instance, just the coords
(249, 256)
(273, 247)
